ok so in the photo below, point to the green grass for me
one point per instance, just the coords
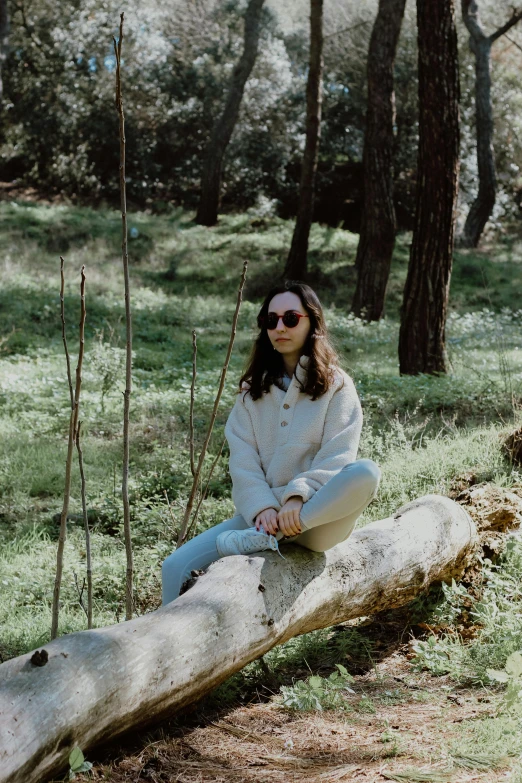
(422, 431)
(497, 612)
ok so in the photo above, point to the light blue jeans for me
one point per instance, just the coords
(327, 518)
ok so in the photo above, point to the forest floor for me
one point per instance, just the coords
(439, 434)
(400, 725)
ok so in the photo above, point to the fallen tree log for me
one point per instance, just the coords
(97, 684)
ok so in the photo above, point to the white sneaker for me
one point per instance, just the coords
(245, 542)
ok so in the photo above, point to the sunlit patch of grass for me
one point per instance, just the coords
(421, 430)
(487, 743)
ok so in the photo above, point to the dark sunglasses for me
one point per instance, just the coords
(290, 320)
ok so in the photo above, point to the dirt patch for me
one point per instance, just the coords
(495, 511)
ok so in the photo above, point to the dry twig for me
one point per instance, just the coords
(73, 426)
(64, 337)
(192, 396)
(80, 592)
(86, 526)
(188, 511)
(169, 507)
(128, 335)
(202, 495)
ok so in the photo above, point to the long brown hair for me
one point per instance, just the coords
(265, 365)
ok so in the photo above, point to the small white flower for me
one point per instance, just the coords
(289, 743)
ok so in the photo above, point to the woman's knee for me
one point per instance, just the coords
(371, 471)
(168, 564)
(368, 473)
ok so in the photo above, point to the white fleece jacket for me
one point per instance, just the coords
(287, 444)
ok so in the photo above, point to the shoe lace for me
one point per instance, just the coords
(274, 545)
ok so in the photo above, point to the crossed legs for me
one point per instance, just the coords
(327, 518)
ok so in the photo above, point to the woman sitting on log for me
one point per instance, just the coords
(293, 435)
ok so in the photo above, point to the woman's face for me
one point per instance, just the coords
(289, 341)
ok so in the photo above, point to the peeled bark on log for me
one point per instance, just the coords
(97, 684)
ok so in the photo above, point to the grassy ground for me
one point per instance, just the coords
(423, 431)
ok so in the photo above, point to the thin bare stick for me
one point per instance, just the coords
(171, 513)
(347, 29)
(203, 494)
(192, 397)
(73, 426)
(64, 338)
(190, 503)
(86, 526)
(514, 43)
(81, 351)
(80, 591)
(128, 336)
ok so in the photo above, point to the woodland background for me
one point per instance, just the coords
(436, 432)
(58, 122)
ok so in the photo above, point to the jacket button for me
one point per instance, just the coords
(286, 406)
(284, 423)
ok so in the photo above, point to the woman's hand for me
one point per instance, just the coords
(288, 516)
(267, 520)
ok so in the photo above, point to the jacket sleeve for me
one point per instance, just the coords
(250, 491)
(339, 445)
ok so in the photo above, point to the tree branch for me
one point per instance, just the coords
(515, 19)
(470, 17)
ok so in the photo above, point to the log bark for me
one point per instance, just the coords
(480, 44)
(422, 337)
(297, 262)
(97, 684)
(207, 213)
(379, 225)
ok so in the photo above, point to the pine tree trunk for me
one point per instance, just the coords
(296, 265)
(207, 213)
(378, 227)
(480, 44)
(424, 309)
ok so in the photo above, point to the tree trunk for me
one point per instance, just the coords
(4, 41)
(480, 44)
(296, 265)
(423, 318)
(207, 213)
(98, 684)
(379, 226)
